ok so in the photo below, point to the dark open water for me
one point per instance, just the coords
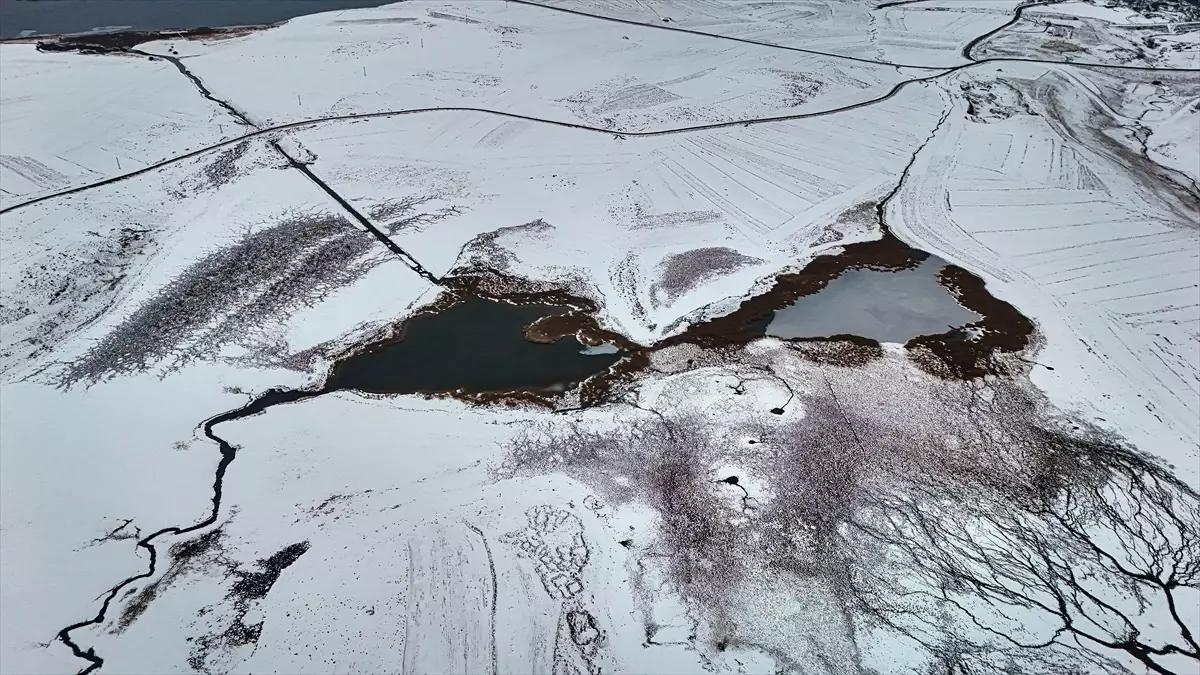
(883, 306)
(26, 17)
(478, 346)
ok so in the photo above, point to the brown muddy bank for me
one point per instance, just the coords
(743, 324)
(554, 317)
(965, 353)
(1003, 330)
(123, 40)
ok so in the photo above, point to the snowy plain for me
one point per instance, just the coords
(368, 533)
(113, 116)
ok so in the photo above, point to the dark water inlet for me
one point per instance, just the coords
(887, 306)
(476, 345)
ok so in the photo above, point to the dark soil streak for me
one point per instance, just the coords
(898, 3)
(881, 206)
(123, 40)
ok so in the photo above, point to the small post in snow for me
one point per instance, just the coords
(118, 162)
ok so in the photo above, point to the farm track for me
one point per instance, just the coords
(303, 124)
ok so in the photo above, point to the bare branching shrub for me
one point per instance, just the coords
(659, 461)
(1080, 563)
(411, 213)
(974, 523)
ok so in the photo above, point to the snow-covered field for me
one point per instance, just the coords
(1089, 32)
(928, 33)
(523, 60)
(761, 507)
(70, 121)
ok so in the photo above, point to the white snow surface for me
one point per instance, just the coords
(521, 59)
(1092, 10)
(931, 33)
(1069, 228)
(71, 120)
(608, 214)
(424, 550)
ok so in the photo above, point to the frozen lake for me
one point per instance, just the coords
(881, 305)
(46, 17)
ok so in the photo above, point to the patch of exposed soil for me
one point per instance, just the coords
(1002, 330)
(681, 272)
(118, 41)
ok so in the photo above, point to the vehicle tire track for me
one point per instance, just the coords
(495, 593)
(317, 121)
